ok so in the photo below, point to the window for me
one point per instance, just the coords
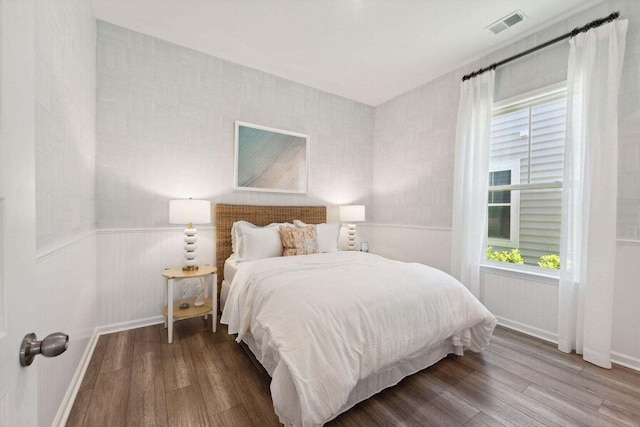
(525, 175)
(504, 206)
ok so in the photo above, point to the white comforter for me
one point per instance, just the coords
(331, 319)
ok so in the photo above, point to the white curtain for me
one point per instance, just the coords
(588, 236)
(471, 179)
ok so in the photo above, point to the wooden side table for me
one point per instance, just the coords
(172, 310)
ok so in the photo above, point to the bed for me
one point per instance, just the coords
(333, 329)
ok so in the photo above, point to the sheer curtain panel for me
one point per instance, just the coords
(588, 239)
(471, 179)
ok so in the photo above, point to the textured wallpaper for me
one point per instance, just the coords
(65, 75)
(414, 136)
(166, 130)
(166, 114)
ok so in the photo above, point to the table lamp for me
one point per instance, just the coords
(352, 214)
(190, 212)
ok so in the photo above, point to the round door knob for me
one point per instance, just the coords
(53, 345)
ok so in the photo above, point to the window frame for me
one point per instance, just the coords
(515, 103)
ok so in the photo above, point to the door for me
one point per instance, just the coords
(18, 385)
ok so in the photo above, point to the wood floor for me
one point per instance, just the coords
(136, 379)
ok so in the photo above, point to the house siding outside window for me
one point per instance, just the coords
(527, 146)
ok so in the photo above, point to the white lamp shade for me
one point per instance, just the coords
(189, 211)
(352, 213)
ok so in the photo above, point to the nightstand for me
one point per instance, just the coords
(173, 312)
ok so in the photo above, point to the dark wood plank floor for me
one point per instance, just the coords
(135, 378)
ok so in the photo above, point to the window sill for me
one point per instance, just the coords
(524, 271)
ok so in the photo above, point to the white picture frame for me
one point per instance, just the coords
(271, 160)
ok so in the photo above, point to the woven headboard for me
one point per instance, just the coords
(226, 215)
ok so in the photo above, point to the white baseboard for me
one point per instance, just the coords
(617, 358)
(529, 330)
(626, 361)
(72, 391)
(132, 324)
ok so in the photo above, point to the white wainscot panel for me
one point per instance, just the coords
(426, 245)
(625, 341)
(130, 265)
(520, 301)
(66, 288)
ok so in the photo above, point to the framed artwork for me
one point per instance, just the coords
(268, 159)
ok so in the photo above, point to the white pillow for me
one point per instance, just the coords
(234, 235)
(328, 235)
(253, 242)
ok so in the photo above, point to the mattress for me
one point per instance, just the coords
(230, 269)
(224, 293)
(372, 320)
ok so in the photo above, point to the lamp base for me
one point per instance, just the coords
(351, 235)
(189, 268)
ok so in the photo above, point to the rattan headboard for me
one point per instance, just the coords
(226, 215)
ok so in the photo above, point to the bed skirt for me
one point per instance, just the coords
(285, 399)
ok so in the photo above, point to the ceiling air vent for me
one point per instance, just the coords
(506, 22)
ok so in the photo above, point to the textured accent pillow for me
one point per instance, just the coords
(299, 241)
(328, 235)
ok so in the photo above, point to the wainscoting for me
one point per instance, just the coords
(626, 300)
(427, 245)
(522, 302)
(66, 288)
(130, 265)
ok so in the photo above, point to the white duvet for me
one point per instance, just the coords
(329, 320)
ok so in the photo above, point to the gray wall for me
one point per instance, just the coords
(414, 134)
(166, 130)
(65, 120)
(65, 111)
(413, 155)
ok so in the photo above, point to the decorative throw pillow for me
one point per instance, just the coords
(299, 241)
(328, 235)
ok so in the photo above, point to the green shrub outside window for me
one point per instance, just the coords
(551, 262)
(513, 257)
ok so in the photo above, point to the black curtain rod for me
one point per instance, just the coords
(575, 32)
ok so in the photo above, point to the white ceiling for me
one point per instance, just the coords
(366, 50)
